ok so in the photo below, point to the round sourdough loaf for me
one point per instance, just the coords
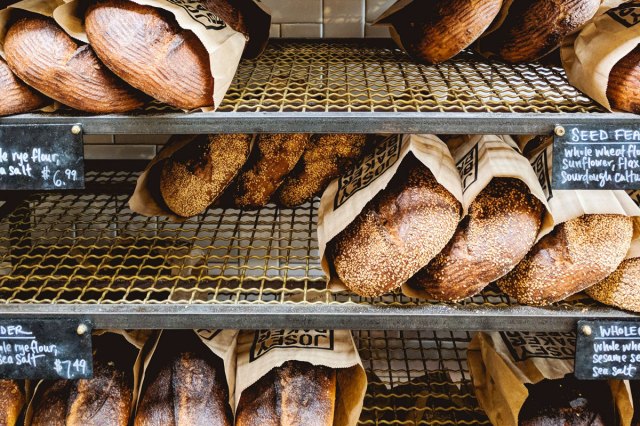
(17, 97)
(574, 256)
(500, 228)
(41, 54)
(622, 288)
(440, 30)
(144, 46)
(397, 233)
(12, 400)
(197, 174)
(533, 28)
(623, 90)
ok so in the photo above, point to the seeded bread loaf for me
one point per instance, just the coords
(500, 228)
(144, 46)
(622, 288)
(397, 233)
(197, 174)
(297, 393)
(12, 401)
(41, 54)
(574, 256)
(623, 90)
(17, 97)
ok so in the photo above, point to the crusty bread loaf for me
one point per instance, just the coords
(397, 233)
(574, 256)
(197, 174)
(12, 400)
(325, 158)
(17, 97)
(295, 394)
(146, 48)
(622, 288)
(273, 158)
(50, 408)
(623, 90)
(41, 54)
(440, 30)
(534, 28)
(501, 227)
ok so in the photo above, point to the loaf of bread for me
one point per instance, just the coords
(397, 233)
(440, 30)
(533, 28)
(623, 91)
(501, 227)
(197, 174)
(325, 158)
(273, 158)
(12, 401)
(574, 256)
(185, 385)
(17, 97)
(622, 288)
(41, 54)
(145, 47)
(295, 394)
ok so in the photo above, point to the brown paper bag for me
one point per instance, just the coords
(346, 197)
(502, 364)
(261, 351)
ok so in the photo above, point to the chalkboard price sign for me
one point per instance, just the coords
(41, 157)
(604, 158)
(608, 350)
(45, 349)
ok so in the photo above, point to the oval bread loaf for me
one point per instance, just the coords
(574, 256)
(501, 227)
(12, 400)
(397, 233)
(620, 289)
(17, 97)
(145, 47)
(41, 54)
(623, 90)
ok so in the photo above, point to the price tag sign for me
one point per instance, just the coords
(45, 349)
(608, 350)
(41, 157)
(607, 157)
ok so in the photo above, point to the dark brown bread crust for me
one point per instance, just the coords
(273, 158)
(295, 394)
(534, 28)
(146, 48)
(623, 90)
(41, 54)
(325, 158)
(502, 225)
(50, 409)
(436, 32)
(197, 174)
(11, 402)
(574, 256)
(17, 97)
(397, 233)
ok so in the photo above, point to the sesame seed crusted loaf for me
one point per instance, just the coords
(397, 233)
(197, 174)
(501, 227)
(574, 256)
(622, 288)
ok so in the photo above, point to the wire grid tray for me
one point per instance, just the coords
(417, 378)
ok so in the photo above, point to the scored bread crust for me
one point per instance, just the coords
(623, 90)
(17, 97)
(41, 54)
(146, 48)
(534, 28)
(297, 393)
(397, 233)
(574, 256)
(12, 400)
(502, 225)
(620, 289)
(449, 27)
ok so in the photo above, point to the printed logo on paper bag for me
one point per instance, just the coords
(200, 14)
(267, 340)
(468, 168)
(627, 14)
(541, 167)
(523, 346)
(635, 196)
(374, 165)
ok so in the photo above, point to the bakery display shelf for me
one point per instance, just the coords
(417, 378)
(86, 254)
(367, 86)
